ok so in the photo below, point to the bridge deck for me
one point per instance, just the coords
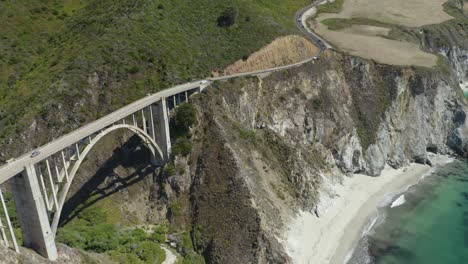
(13, 168)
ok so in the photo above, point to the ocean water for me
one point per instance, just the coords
(429, 225)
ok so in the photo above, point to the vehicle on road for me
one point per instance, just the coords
(315, 58)
(35, 153)
(10, 160)
(204, 82)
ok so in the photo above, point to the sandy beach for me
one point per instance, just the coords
(331, 237)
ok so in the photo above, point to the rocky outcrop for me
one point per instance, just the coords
(264, 146)
(449, 39)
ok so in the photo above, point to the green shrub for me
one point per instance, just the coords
(71, 237)
(193, 258)
(125, 258)
(228, 17)
(317, 103)
(169, 170)
(133, 69)
(174, 209)
(12, 213)
(138, 234)
(103, 238)
(149, 252)
(247, 134)
(182, 146)
(159, 234)
(99, 238)
(93, 215)
(183, 119)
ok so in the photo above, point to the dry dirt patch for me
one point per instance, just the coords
(282, 51)
(370, 42)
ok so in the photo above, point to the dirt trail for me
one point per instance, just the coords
(170, 257)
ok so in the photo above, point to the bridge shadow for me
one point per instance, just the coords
(132, 154)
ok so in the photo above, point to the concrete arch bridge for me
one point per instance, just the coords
(41, 179)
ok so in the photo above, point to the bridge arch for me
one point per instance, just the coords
(154, 148)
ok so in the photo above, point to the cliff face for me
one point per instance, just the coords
(449, 39)
(264, 147)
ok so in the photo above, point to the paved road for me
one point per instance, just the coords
(11, 169)
(300, 24)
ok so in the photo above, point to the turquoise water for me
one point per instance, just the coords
(431, 227)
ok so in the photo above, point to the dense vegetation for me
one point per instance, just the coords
(10, 204)
(91, 230)
(180, 124)
(64, 63)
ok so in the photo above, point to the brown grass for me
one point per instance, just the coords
(365, 41)
(369, 41)
(282, 51)
(411, 13)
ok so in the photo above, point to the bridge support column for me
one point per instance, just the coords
(163, 136)
(202, 87)
(32, 214)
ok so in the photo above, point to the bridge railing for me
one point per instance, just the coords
(40, 188)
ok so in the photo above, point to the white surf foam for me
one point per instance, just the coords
(401, 200)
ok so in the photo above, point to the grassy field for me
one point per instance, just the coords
(64, 63)
(383, 30)
(342, 23)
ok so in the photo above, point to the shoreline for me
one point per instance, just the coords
(348, 214)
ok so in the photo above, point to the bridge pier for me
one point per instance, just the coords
(162, 127)
(32, 214)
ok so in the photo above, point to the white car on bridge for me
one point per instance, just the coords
(35, 153)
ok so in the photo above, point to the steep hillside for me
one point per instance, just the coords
(65, 63)
(248, 153)
(265, 148)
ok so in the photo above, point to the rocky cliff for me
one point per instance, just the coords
(449, 39)
(263, 147)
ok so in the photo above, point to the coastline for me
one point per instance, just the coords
(331, 238)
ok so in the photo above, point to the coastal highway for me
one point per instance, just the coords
(302, 26)
(299, 20)
(17, 165)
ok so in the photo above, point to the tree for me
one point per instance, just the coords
(228, 17)
(184, 118)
